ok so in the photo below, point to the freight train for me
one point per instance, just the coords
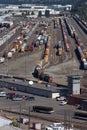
(38, 71)
(65, 37)
(80, 22)
(70, 28)
(81, 51)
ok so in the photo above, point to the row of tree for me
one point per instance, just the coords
(47, 2)
(47, 13)
(80, 7)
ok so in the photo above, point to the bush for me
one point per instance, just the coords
(14, 123)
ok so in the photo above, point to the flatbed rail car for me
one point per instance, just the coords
(43, 109)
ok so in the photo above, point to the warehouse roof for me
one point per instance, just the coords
(25, 83)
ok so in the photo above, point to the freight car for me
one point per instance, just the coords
(83, 57)
(80, 114)
(85, 65)
(46, 77)
(59, 49)
(38, 73)
(65, 38)
(23, 47)
(30, 47)
(70, 28)
(66, 42)
(43, 109)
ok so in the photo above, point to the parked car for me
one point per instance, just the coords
(17, 98)
(62, 98)
(30, 98)
(24, 96)
(63, 102)
(10, 95)
(2, 94)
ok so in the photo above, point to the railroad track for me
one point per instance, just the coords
(77, 124)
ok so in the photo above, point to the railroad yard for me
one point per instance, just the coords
(44, 50)
(59, 66)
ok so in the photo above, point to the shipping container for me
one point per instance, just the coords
(40, 63)
(60, 51)
(37, 126)
(9, 55)
(47, 51)
(30, 47)
(45, 39)
(23, 47)
(13, 50)
(85, 65)
(48, 78)
(46, 58)
(37, 43)
(41, 42)
(37, 71)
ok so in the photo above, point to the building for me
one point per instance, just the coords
(16, 9)
(23, 85)
(74, 84)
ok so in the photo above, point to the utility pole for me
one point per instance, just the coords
(25, 67)
(29, 119)
(19, 114)
(7, 57)
(65, 120)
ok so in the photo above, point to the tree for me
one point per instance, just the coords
(47, 13)
(15, 124)
(39, 13)
(32, 13)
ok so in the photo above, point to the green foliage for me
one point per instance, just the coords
(39, 13)
(47, 13)
(32, 13)
(81, 8)
(15, 124)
